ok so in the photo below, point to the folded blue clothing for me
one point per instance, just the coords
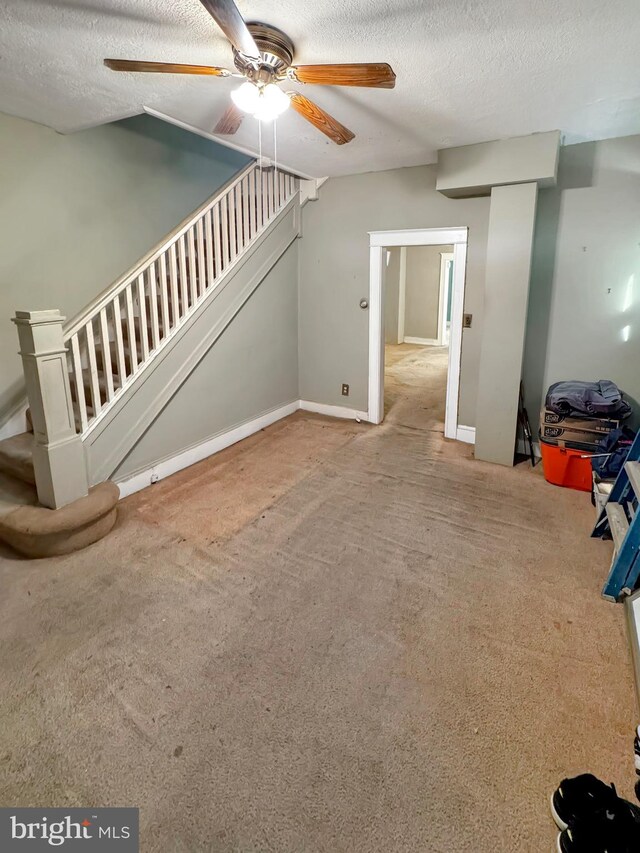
(587, 399)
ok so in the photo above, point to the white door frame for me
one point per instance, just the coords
(378, 241)
(443, 298)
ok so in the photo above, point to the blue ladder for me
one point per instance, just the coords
(620, 519)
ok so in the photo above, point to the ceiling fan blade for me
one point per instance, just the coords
(330, 126)
(230, 121)
(379, 75)
(227, 16)
(165, 67)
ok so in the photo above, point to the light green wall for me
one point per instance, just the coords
(250, 370)
(77, 211)
(585, 282)
(423, 291)
(334, 276)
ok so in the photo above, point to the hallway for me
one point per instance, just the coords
(331, 637)
(415, 381)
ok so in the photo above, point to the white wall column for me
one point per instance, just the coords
(58, 454)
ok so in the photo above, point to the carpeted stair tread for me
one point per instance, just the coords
(36, 531)
(16, 457)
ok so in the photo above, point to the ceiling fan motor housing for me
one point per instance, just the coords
(276, 52)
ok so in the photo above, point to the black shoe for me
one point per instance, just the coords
(615, 829)
(580, 797)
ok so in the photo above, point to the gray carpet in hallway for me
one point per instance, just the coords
(399, 649)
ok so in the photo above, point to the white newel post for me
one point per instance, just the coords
(58, 455)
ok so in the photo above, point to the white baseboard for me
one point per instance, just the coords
(166, 467)
(423, 342)
(466, 434)
(333, 411)
(201, 451)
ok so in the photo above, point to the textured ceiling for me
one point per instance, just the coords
(468, 70)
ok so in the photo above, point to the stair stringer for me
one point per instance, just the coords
(110, 440)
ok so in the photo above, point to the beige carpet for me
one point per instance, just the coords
(331, 638)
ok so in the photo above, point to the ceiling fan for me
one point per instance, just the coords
(263, 55)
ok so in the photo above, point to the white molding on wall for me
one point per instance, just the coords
(198, 452)
(423, 342)
(466, 434)
(418, 237)
(333, 411)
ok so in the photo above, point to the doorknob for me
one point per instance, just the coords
(364, 303)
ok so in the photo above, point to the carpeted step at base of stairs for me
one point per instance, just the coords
(16, 457)
(35, 531)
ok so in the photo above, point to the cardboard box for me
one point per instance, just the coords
(579, 433)
(583, 424)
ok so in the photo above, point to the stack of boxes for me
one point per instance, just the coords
(579, 433)
(566, 444)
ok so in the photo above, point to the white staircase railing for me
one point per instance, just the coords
(121, 332)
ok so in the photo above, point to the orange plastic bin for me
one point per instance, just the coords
(563, 466)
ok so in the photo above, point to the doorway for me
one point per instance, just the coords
(448, 320)
(416, 283)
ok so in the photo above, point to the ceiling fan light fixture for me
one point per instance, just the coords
(246, 97)
(265, 103)
(275, 99)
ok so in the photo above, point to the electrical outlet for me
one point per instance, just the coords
(466, 321)
(345, 389)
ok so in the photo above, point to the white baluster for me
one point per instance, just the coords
(106, 353)
(253, 200)
(224, 228)
(142, 306)
(93, 369)
(246, 234)
(153, 305)
(265, 197)
(78, 381)
(231, 201)
(193, 266)
(131, 329)
(164, 297)
(117, 321)
(217, 251)
(209, 246)
(274, 187)
(184, 276)
(202, 274)
(173, 280)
